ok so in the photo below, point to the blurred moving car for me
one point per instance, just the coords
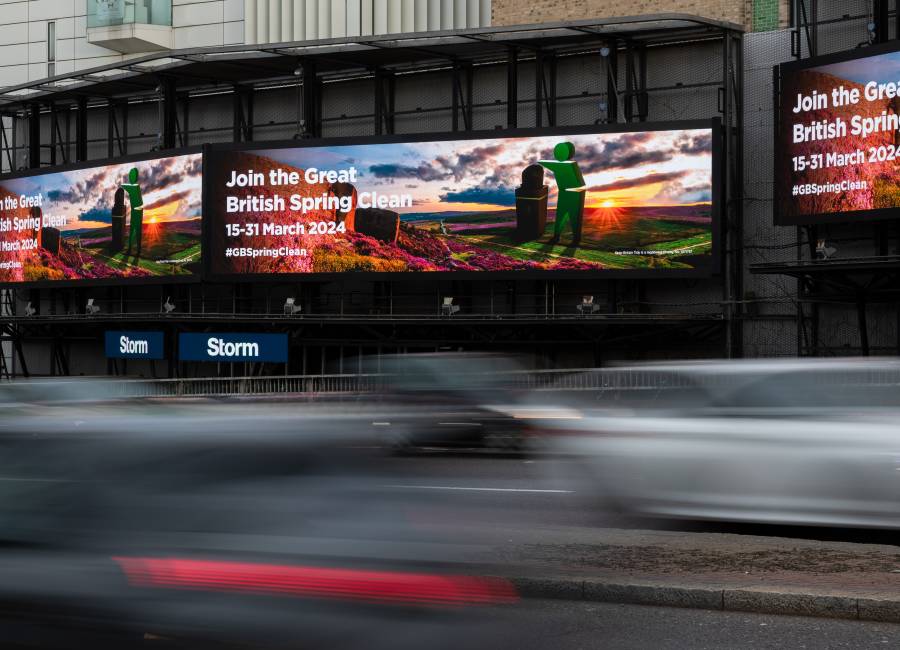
(450, 399)
(204, 522)
(812, 442)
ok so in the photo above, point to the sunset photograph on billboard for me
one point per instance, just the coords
(122, 221)
(623, 201)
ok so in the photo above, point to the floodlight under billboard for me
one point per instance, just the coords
(554, 201)
(135, 220)
(837, 137)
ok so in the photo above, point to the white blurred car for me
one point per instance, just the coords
(801, 442)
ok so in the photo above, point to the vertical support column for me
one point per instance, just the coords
(539, 88)
(169, 124)
(391, 91)
(115, 134)
(242, 112)
(732, 193)
(454, 100)
(863, 325)
(468, 110)
(880, 15)
(814, 27)
(34, 136)
(81, 136)
(312, 99)
(643, 99)
(612, 83)
(110, 128)
(551, 90)
(54, 130)
(384, 102)
(629, 81)
(512, 88)
(185, 131)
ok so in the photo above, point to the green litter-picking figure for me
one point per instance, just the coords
(570, 199)
(137, 212)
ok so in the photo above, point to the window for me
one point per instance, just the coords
(51, 48)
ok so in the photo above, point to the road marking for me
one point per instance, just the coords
(476, 489)
(38, 480)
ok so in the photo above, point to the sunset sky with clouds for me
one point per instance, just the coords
(171, 188)
(647, 168)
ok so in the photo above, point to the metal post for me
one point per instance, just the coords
(629, 81)
(312, 99)
(169, 124)
(379, 102)
(551, 90)
(880, 17)
(539, 89)
(612, 83)
(454, 99)
(34, 136)
(53, 132)
(863, 325)
(512, 88)
(81, 130)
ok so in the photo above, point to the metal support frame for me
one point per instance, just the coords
(462, 91)
(59, 141)
(512, 88)
(174, 103)
(242, 129)
(612, 83)
(116, 133)
(168, 113)
(637, 101)
(385, 87)
(880, 16)
(806, 23)
(81, 130)
(7, 143)
(732, 191)
(34, 136)
(312, 100)
(59, 358)
(544, 88)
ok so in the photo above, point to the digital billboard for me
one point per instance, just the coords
(618, 201)
(126, 221)
(837, 138)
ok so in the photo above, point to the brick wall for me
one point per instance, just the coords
(752, 14)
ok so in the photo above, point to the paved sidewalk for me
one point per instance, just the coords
(708, 570)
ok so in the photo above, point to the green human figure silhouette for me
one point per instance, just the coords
(570, 200)
(137, 212)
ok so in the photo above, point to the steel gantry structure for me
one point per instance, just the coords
(632, 69)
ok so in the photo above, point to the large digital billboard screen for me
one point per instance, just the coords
(622, 201)
(838, 138)
(127, 221)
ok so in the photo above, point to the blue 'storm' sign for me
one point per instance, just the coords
(134, 345)
(232, 347)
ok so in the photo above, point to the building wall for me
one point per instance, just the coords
(755, 15)
(272, 21)
(23, 34)
(209, 23)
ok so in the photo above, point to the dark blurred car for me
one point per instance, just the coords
(208, 523)
(450, 399)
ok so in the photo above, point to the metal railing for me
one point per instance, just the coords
(874, 372)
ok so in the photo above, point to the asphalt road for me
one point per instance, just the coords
(546, 493)
(574, 625)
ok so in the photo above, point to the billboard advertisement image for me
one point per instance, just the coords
(838, 139)
(123, 221)
(625, 201)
